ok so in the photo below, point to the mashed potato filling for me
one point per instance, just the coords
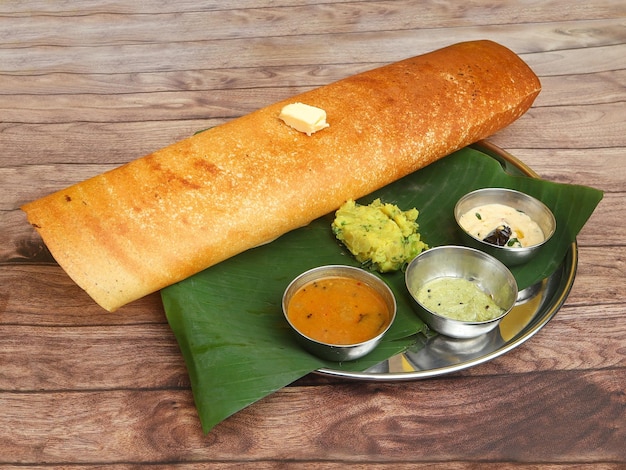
(380, 235)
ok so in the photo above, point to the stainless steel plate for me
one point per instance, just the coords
(439, 355)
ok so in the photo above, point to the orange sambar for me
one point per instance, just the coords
(338, 310)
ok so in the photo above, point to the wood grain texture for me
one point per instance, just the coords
(373, 422)
(86, 86)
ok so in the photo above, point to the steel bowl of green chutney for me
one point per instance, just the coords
(460, 291)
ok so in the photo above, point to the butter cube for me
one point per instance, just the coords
(304, 118)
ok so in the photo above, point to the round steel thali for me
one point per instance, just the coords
(438, 355)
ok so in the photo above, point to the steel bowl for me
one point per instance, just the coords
(339, 352)
(534, 208)
(489, 274)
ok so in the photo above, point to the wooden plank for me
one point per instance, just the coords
(441, 10)
(501, 418)
(600, 166)
(100, 357)
(206, 80)
(581, 88)
(91, 143)
(216, 104)
(600, 79)
(91, 23)
(578, 127)
(45, 295)
(371, 47)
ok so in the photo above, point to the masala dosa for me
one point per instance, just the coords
(163, 217)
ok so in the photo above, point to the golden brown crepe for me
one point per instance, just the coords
(159, 219)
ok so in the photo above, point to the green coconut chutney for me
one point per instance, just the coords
(459, 299)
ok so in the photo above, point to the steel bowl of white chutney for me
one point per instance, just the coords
(510, 225)
(460, 291)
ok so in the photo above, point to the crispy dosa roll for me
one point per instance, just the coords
(163, 217)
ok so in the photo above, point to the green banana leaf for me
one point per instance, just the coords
(228, 319)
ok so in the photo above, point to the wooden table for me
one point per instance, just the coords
(86, 86)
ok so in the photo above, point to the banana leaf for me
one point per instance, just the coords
(228, 319)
